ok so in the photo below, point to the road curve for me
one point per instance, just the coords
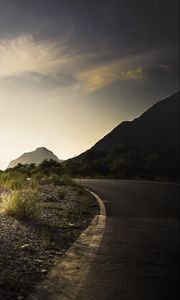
(139, 255)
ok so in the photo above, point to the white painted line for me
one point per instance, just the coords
(100, 202)
(67, 276)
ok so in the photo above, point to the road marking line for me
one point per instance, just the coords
(67, 276)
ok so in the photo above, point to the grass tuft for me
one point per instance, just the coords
(22, 204)
(12, 181)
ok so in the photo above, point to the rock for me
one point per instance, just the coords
(44, 271)
(75, 226)
(70, 224)
(20, 297)
(28, 178)
(59, 252)
(38, 261)
(26, 247)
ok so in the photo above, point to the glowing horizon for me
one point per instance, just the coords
(70, 73)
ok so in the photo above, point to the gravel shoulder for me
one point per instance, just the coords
(29, 249)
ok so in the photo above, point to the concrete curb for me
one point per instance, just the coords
(66, 277)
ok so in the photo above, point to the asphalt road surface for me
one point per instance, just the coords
(139, 255)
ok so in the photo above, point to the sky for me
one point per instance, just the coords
(71, 71)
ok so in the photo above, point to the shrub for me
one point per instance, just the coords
(66, 180)
(62, 180)
(61, 195)
(33, 184)
(47, 240)
(21, 204)
(8, 279)
(15, 183)
(56, 179)
(12, 180)
(37, 177)
(79, 190)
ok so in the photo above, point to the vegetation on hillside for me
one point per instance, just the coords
(125, 162)
(146, 147)
(31, 175)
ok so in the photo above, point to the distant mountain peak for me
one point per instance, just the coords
(34, 157)
(43, 149)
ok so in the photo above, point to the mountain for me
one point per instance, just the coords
(34, 157)
(156, 129)
(152, 136)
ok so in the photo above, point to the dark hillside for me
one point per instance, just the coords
(146, 146)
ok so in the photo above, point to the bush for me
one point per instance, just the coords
(56, 179)
(14, 183)
(12, 180)
(47, 240)
(21, 204)
(62, 180)
(49, 167)
(66, 180)
(37, 177)
(61, 195)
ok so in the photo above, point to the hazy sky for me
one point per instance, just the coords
(71, 70)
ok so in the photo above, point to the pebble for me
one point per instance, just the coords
(20, 297)
(59, 252)
(38, 261)
(26, 247)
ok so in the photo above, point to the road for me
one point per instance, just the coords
(139, 255)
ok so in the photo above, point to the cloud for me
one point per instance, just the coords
(47, 64)
(102, 76)
(23, 54)
(133, 74)
(164, 67)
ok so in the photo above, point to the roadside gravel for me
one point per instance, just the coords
(28, 250)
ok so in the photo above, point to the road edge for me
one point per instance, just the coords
(67, 276)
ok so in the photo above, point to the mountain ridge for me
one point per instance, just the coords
(126, 125)
(146, 114)
(153, 136)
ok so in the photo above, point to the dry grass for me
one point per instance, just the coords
(22, 204)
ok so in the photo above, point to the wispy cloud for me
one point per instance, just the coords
(133, 74)
(102, 76)
(49, 64)
(164, 67)
(23, 54)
